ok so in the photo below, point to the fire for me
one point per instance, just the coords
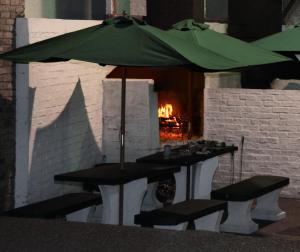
(170, 126)
(165, 111)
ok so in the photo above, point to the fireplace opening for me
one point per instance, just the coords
(180, 99)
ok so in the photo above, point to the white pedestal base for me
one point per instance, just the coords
(150, 201)
(203, 176)
(209, 222)
(239, 218)
(267, 207)
(179, 227)
(180, 180)
(134, 192)
(80, 215)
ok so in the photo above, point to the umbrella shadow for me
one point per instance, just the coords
(67, 144)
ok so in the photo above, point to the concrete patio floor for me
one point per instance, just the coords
(58, 235)
(288, 227)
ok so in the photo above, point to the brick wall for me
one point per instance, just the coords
(270, 122)
(9, 10)
(59, 108)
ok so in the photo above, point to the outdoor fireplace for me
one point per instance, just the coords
(180, 99)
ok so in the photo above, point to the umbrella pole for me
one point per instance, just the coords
(122, 142)
(190, 112)
(123, 102)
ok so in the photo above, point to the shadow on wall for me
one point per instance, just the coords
(67, 144)
(7, 156)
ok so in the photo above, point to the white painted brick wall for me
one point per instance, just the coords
(270, 122)
(64, 123)
(142, 127)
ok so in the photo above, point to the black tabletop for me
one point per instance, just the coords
(181, 156)
(111, 174)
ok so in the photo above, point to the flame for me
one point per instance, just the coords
(165, 111)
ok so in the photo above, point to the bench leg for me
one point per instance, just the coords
(239, 218)
(204, 172)
(80, 215)
(267, 207)
(150, 201)
(179, 227)
(134, 192)
(209, 222)
(180, 179)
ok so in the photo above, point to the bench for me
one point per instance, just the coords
(75, 206)
(206, 214)
(240, 197)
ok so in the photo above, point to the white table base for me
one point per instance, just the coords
(203, 176)
(150, 201)
(239, 218)
(267, 207)
(209, 222)
(134, 192)
(180, 180)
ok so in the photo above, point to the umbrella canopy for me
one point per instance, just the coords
(235, 49)
(286, 41)
(121, 41)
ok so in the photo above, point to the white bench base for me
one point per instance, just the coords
(267, 207)
(179, 227)
(80, 215)
(239, 218)
(209, 222)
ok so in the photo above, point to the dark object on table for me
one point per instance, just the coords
(180, 212)
(56, 207)
(188, 154)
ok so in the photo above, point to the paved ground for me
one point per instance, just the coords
(288, 227)
(40, 235)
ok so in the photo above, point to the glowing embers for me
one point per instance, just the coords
(171, 125)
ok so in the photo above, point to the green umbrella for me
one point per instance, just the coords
(121, 41)
(286, 41)
(126, 41)
(235, 49)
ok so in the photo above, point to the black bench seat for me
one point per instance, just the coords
(178, 213)
(250, 188)
(56, 207)
(240, 196)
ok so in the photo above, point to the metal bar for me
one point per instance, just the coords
(190, 112)
(121, 204)
(122, 142)
(188, 182)
(232, 168)
(241, 157)
(123, 110)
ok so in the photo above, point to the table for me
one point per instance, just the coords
(122, 191)
(203, 164)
